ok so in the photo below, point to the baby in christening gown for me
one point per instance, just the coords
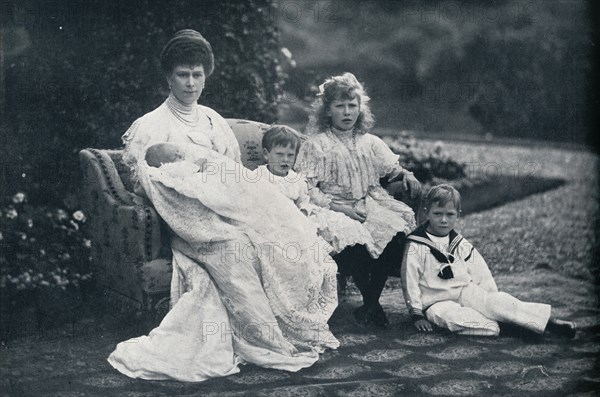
(164, 153)
(280, 159)
(298, 278)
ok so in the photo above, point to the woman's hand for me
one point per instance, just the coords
(423, 325)
(349, 211)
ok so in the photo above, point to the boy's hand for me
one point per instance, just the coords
(423, 325)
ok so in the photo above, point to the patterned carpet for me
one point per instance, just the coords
(396, 361)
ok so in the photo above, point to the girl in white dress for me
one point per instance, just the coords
(343, 164)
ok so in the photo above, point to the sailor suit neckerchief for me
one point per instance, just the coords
(420, 236)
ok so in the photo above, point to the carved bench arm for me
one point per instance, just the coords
(110, 205)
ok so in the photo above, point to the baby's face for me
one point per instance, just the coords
(163, 153)
(280, 159)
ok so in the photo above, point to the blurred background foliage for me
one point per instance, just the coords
(76, 74)
(503, 68)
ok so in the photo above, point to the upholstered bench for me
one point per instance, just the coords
(130, 243)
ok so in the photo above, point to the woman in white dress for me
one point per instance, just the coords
(248, 285)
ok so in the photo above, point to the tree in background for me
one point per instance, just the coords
(506, 67)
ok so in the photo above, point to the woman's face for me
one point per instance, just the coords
(344, 113)
(187, 83)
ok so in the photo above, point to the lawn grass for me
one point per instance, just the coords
(556, 229)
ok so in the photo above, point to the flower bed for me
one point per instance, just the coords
(44, 260)
(482, 186)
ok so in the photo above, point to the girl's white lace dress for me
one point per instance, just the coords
(345, 167)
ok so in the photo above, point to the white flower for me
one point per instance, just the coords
(12, 213)
(286, 53)
(79, 216)
(29, 223)
(61, 215)
(75, 225)
(87, 243)
(18, 198)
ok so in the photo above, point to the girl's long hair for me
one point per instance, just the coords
(335, 88)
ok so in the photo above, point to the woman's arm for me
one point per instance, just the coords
(349, 211)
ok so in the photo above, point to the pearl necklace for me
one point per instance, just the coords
(187, 114)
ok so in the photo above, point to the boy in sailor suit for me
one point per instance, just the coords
(447, 282)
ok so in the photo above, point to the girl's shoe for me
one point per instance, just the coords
(362, 316)
(378, 316)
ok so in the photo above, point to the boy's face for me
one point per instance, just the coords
(280, 159)
(441, 219)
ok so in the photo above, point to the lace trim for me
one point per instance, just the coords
(346, 137)
(354, 176)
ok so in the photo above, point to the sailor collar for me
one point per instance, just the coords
(420, 236)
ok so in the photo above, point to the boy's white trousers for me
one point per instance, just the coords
(477, 312)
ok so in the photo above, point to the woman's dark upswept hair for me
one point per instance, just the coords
(187, 47)
(335, 88)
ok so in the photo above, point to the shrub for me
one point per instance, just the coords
(431, 164)
(77, 74)
(45, 267)
(42, 247)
